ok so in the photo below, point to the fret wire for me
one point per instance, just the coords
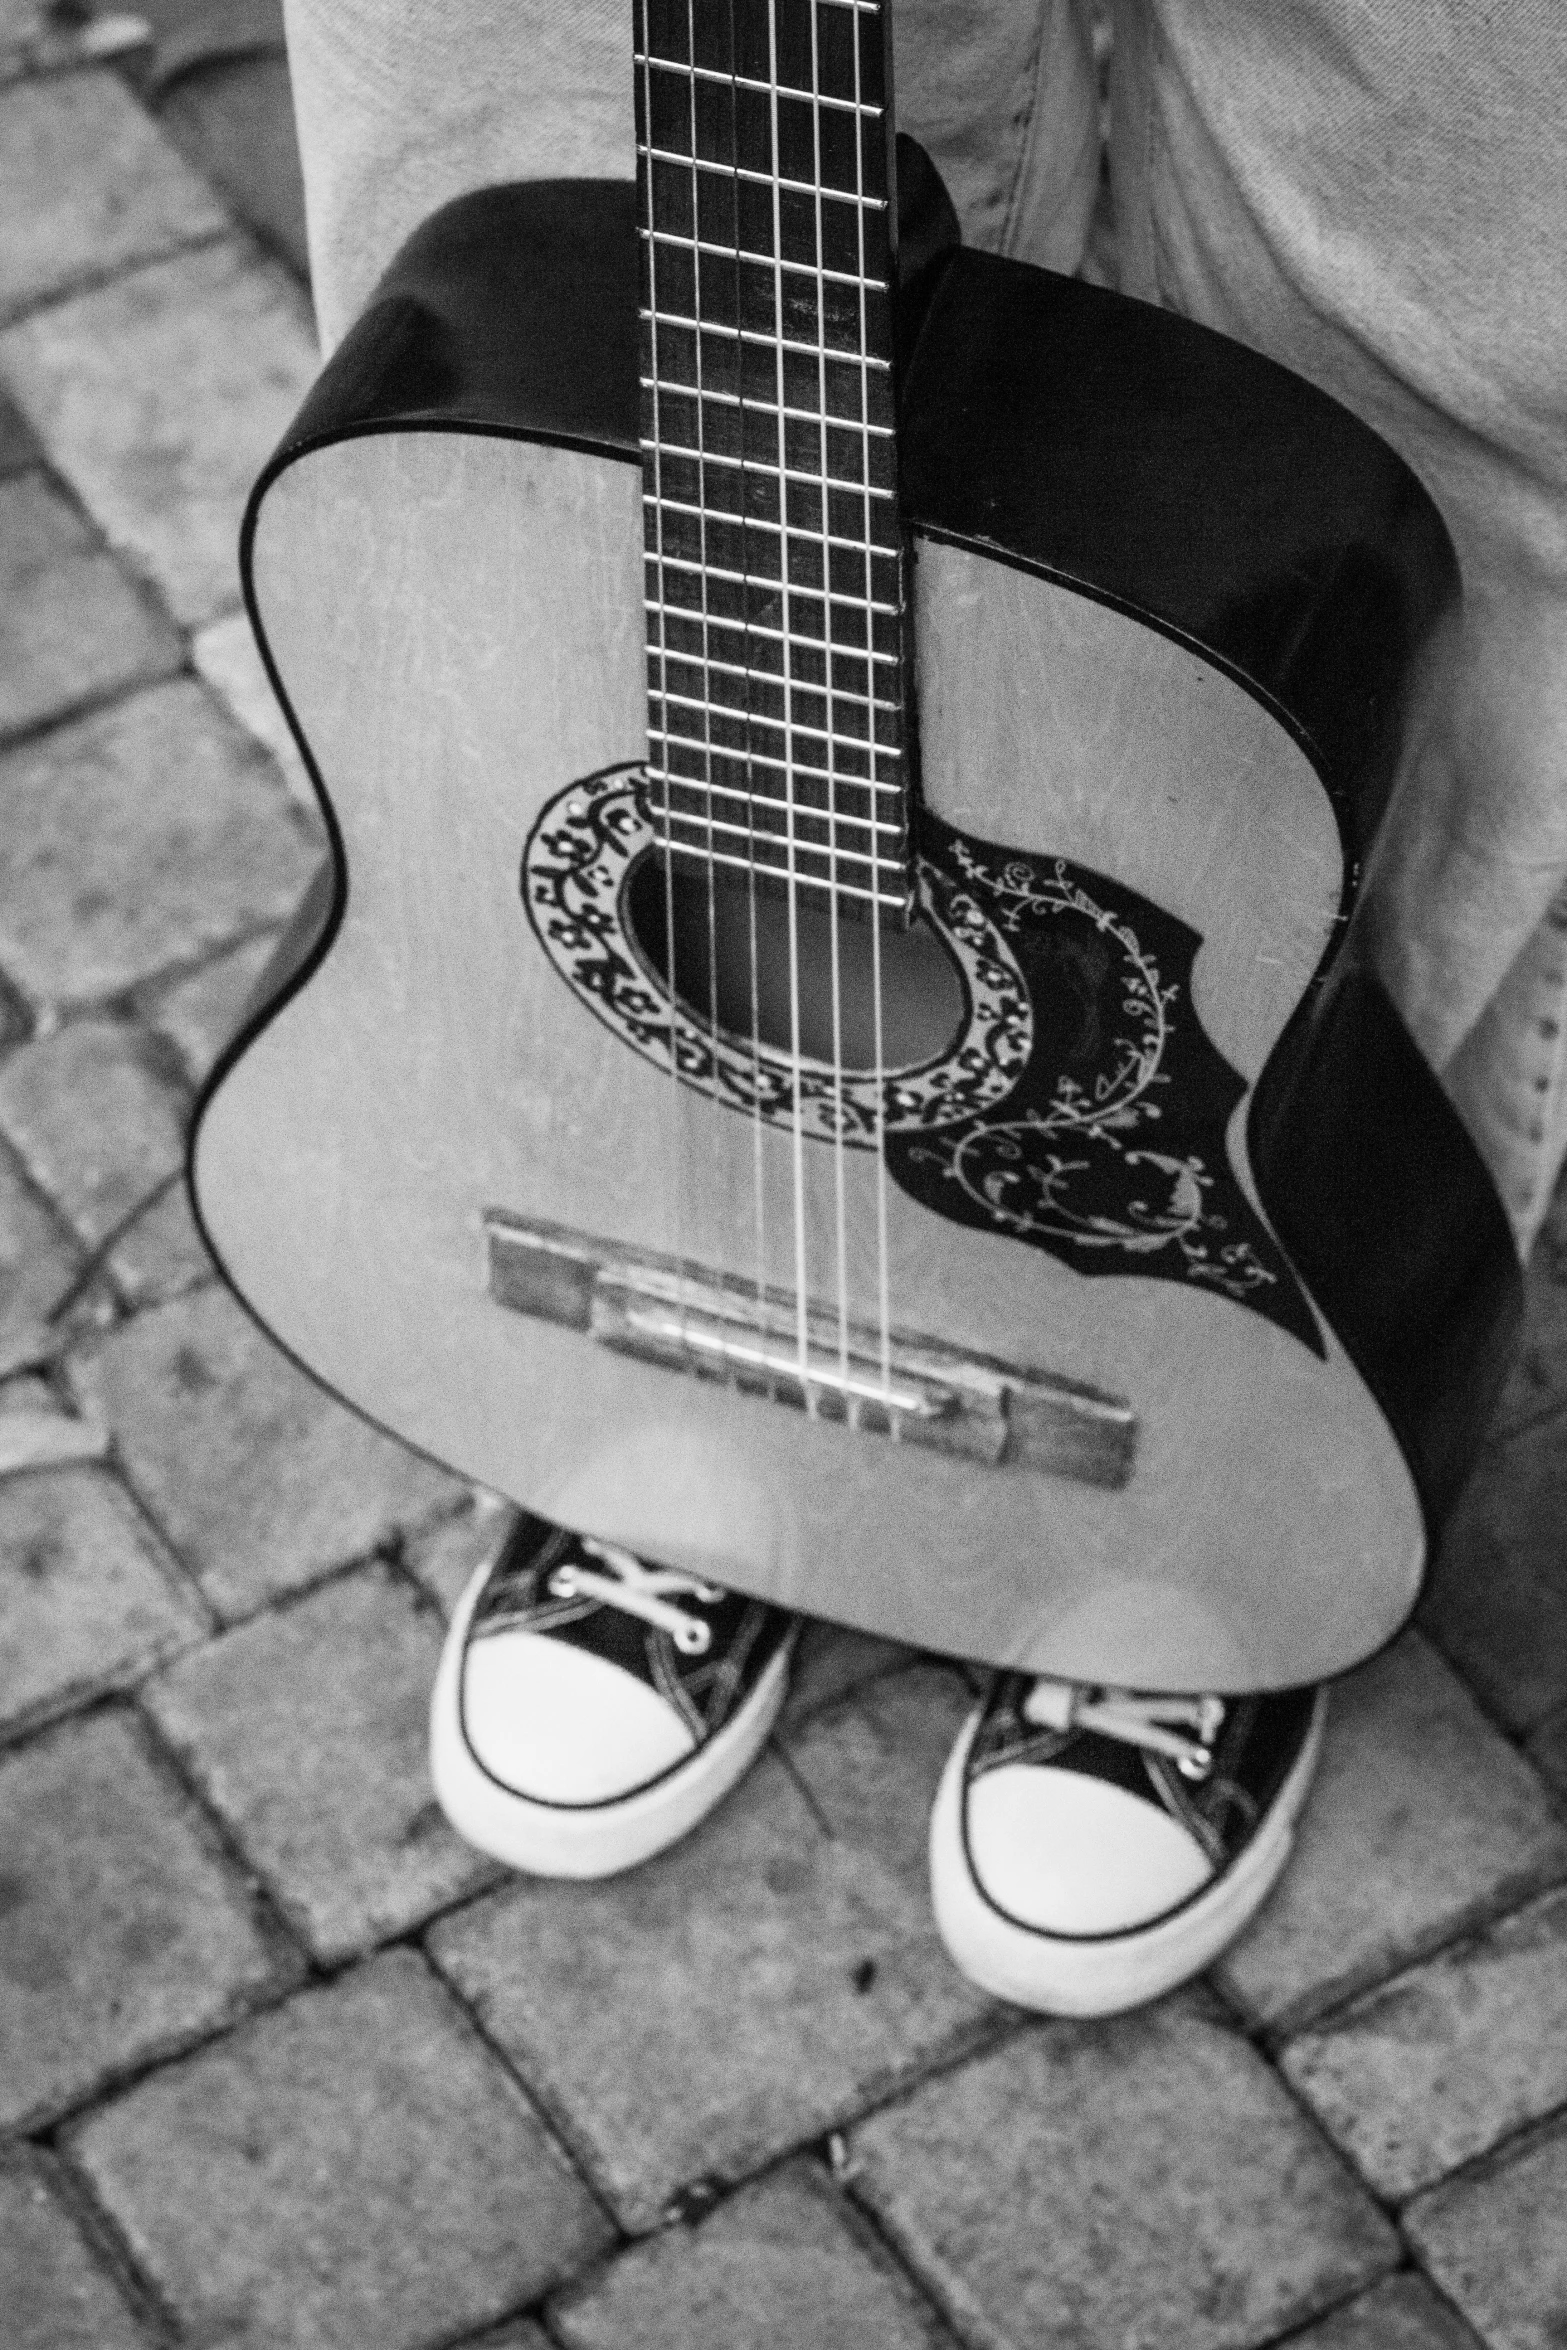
(768, 852)
(751, 334)
(764, 179)
(836, 693)
(753, 799)
(663, 383)
(803, 880)
(784, 586)
(780, 840)
(888, 753)
(789, 529)
(782, 636)
(836, 277)
(829, 481)
(836, 734)
(741, 81)
(871, 856)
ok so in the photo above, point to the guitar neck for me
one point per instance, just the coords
(774, 558)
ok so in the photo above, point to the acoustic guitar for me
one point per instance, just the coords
(829, 1051)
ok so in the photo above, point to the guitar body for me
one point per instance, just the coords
(1176, 1160)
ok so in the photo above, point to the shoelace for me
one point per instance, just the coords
(1183, 1728)
(640, 1590)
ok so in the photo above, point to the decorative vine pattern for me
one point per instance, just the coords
(1076, 1164)
(575, 869)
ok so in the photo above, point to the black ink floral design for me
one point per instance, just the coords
(577, 864)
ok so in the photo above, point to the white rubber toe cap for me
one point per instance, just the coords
(557, 1725)
(1066, 1854)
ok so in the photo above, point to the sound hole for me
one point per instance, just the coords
(922, 995)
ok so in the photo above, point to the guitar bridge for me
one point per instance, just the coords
(711, 1325)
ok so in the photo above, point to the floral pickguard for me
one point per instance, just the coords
(1082, 1109)
(1109, 1151)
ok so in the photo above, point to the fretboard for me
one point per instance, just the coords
(774, 562)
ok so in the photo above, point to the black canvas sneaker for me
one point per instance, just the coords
(591, 1707)
(1091, 1848)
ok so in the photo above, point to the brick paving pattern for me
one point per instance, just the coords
(281, 2063)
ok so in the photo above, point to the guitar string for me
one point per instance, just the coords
(840, 1209)
(883, 1272)
(797, 1136)
(707, 585)
(675, 1222)
(747, 603)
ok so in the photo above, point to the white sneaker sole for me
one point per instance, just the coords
(1105, 1975)
(590, 1840)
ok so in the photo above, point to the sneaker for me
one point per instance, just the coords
(1091, 1848)
(590, 1707)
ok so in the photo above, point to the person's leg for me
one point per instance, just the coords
(1378, 198)
(403, 104)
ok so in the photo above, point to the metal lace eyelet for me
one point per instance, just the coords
(563, 1584)
(693, 1639)
(1196, 1765)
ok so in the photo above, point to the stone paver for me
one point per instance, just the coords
(227, 658)
(143, 837)
(1496, 2244)
(781, 2264)
(1498, 1598)
(1402, 2313)
(306, 1731)
(1137, 2183)
(37, 1263)
(1441, 2063)
(73, 626)
(353, 2171)
(260, 1479)
(97, 1123)
(750, 1989)
(56, 2294)
(123, 1932)
(1422, 1818)
(203, 1011)
(159, 397)
(84, 1601)
(87, 184)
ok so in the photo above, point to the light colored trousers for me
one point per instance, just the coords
(1372, 191)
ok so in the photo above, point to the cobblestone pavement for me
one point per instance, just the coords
(280, 2061)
